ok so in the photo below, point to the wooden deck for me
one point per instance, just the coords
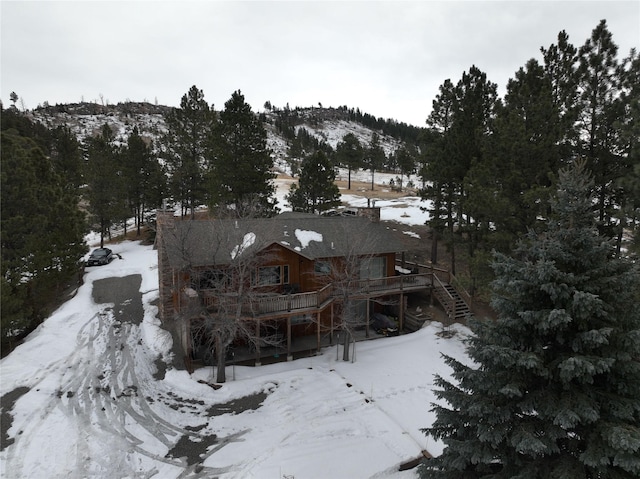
(273, 306)
(279, 305)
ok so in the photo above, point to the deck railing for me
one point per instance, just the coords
(443, 275)
(275, 303)
(272, 303)
(392, 284)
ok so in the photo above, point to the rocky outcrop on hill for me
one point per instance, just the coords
(328, 125)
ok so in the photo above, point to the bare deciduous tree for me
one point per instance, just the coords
(348, 275)
(222, 295)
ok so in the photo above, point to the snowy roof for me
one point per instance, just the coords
(201, 243)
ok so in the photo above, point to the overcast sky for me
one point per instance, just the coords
(386, 58)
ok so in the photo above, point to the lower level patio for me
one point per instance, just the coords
(300, 346)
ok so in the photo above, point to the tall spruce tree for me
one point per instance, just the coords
(554, 389)
(316, 190)
(241, 176)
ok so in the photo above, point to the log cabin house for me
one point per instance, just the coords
(293, 259)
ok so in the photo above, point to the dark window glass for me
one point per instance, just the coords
(322, 267)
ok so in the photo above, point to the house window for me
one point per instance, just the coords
(271, 275)
(372, 268)
(322, 267)
(209, 279)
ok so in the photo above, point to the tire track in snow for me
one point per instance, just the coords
(113, 430)
(35, 422)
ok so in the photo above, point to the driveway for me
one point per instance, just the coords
(113, 401)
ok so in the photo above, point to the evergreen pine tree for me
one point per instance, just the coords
(630, 137)
(374, 157)
(188, 149)
(560, 62)
(316, 190)
(67, 156)
(105, 183)
(41, 229)
(349, 154)
(554, 387)
(462, 118)
(471, 129)
(601, 113)
(241, 174)
(405, 162)
(144, 181)
(439, 179)
(525, 152)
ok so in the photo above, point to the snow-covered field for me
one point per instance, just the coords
(88, 397)
(408, 210)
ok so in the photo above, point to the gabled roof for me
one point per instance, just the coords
(209, 242)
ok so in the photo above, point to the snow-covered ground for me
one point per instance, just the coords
(88, 397)
(408, 210)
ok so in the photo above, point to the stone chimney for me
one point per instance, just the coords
(371, 212)
(165, 220)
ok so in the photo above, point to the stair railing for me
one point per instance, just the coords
(464, 294)
(440, 289)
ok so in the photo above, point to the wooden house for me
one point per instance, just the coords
(291, 264)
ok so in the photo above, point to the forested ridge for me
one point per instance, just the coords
(486, 165)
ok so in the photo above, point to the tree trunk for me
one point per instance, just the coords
(346, 344)
(221, 361)
(102, 228)
(451, 237)
(453, 257)
(434, 248)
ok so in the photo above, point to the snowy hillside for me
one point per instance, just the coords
(87, 119)
(332, 132)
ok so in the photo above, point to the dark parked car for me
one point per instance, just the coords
(100, 256)
(382, 324)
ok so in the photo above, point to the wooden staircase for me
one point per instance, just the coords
(445, 288)
(454, 305)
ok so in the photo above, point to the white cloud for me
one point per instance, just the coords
(386, 58)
